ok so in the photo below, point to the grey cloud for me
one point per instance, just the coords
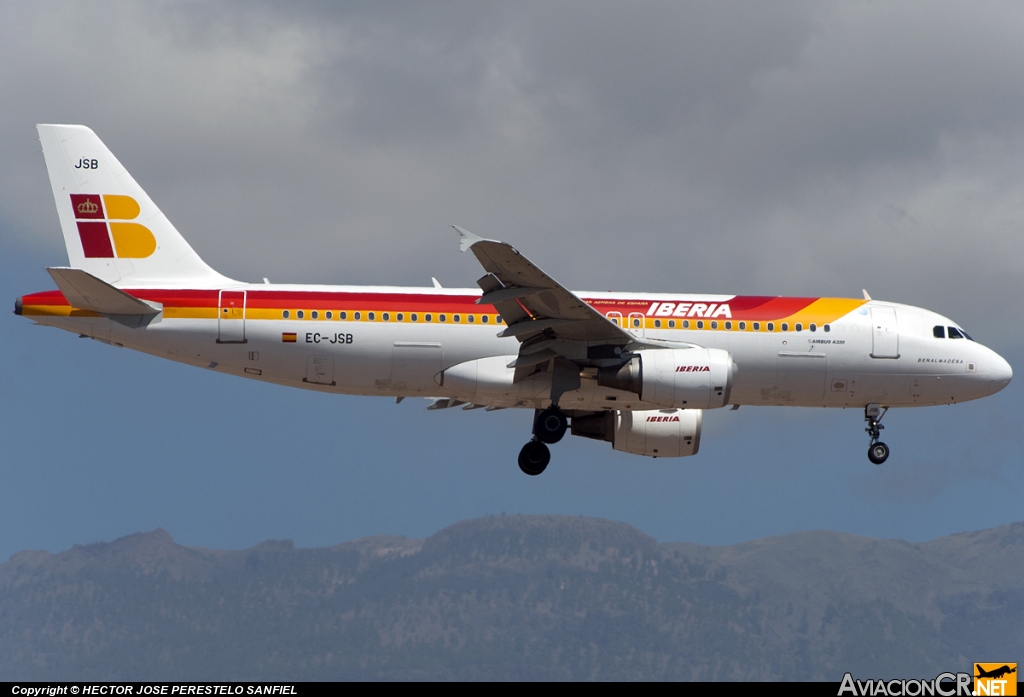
(728, 147)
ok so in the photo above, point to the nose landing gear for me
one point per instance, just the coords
(878, 452)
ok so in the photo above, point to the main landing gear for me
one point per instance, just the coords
(878, 452)
(549, 426)
(534, 458)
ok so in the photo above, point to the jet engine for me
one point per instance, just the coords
(657, 433)
(697, 378)
(489, 381)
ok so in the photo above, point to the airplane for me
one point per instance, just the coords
(996, 672)
(636, 370)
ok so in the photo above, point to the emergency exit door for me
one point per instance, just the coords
(636, 323)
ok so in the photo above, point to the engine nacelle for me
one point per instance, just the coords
(656, 433)
(489, 381)
(696, 378)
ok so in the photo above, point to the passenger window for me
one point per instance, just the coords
(414, 317)
(386, 316)
(671, 324)
(286, 314)
(771, 326)
(314, 314)
(371, 316)
(636, 323)
(954, 333)
(939, 332)
(785, 326)
(428, 317)
(728, 325)
(343, 315)
(497, 320)
(827, 328)
(442, 318)
(657, 324)
(458, 318)
(714, 325)
(358, 315)
(757, 326)
(484, 319)
(743, 325)
(400, 317)
(799, 327)
(814, 327)
(329, 314)
(300, 314)
(686, 324)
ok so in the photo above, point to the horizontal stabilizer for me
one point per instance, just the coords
(86, 292)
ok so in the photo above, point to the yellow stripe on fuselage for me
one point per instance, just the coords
(825, 311)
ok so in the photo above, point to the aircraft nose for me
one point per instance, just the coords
(1000, 372)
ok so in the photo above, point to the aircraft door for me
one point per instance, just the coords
(885, 339)
(636, 323)
(231, 317)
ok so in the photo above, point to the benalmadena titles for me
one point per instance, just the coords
(636, 370)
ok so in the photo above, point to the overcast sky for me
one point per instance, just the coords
(766, 148)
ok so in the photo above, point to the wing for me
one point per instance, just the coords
(531, 302)
(555, 328)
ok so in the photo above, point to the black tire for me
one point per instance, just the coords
(878, 453)
(534, 458)
(550, 425)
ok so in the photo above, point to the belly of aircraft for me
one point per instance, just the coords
(372, 360)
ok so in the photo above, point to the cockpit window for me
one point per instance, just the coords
(939, 332)
(954, 333)
(966, 335)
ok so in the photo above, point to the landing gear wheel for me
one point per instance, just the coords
(550, 425)
(534, 458)
(878, 453)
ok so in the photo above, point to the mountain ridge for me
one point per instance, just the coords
(514, 597)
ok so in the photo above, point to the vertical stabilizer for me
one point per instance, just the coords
(112, 229)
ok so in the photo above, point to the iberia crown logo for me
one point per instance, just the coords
(87, 207)
(105, 231)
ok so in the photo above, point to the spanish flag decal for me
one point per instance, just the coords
(288, 337)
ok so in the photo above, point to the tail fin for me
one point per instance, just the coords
(112, 229)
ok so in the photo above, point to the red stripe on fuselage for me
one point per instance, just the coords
(748, 307)
(771, 308)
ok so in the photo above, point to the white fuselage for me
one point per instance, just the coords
(833, 368)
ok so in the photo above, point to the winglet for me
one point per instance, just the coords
(466, 238)
(866, 296)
